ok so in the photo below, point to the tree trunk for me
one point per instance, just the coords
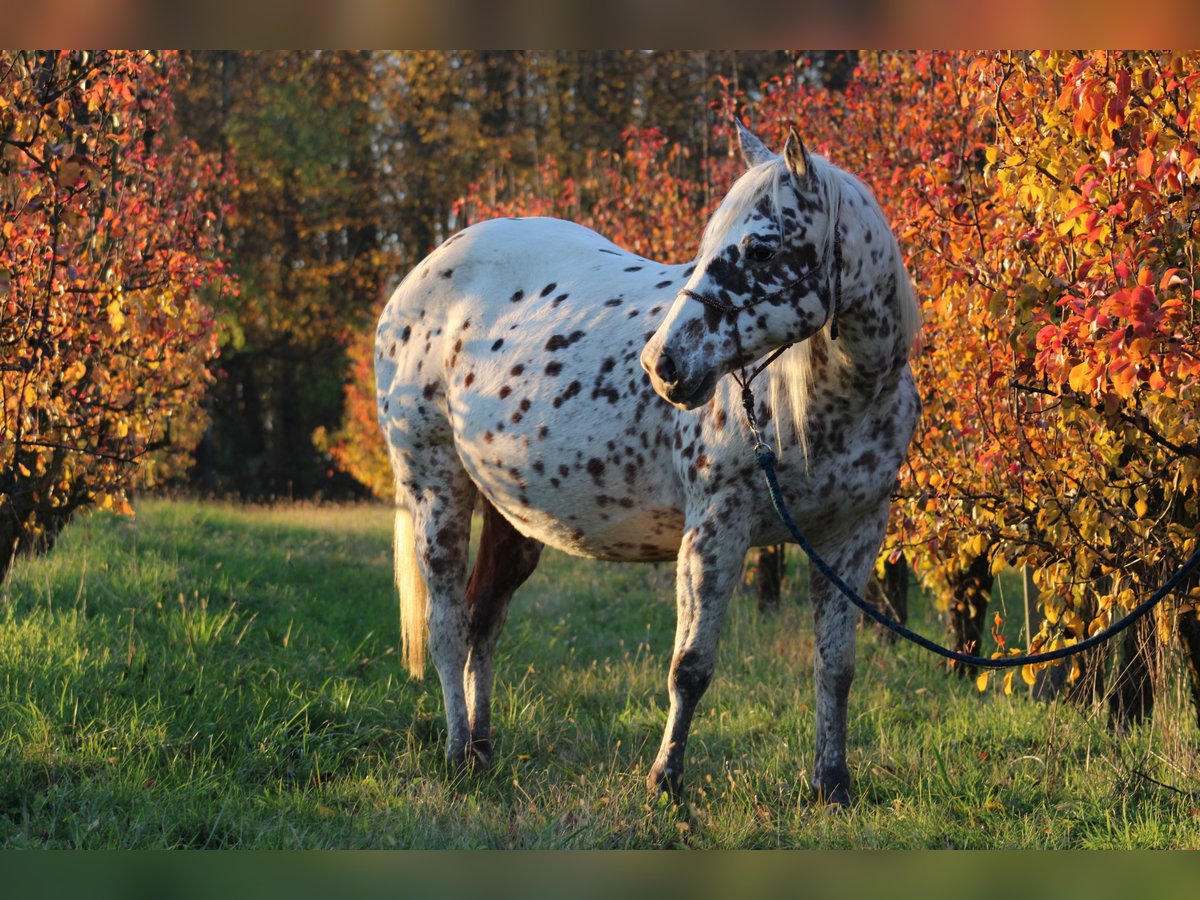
(889, 594)
(766, 576)
(10, 538)
(27, 531)
(895, 588)
(968, 607)
(1131, 700)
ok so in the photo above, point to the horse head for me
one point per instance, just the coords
(762, 278)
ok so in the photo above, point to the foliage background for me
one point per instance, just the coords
(206, 239)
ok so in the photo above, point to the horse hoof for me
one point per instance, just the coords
(480, 754)
(835, 793)
(660, 781)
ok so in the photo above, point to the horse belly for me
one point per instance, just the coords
(586, 492)
(587, 471)
(644, 534)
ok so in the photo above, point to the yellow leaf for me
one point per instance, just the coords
(1080, 378)
(1028, 675)
(982, 681)
(75, 371)
(1008, 680)
(122, 428)
(1141, 507)
(975, 545)
(116, 318)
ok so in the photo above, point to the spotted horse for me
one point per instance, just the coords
(584, 394)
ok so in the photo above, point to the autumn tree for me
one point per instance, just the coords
(1096, 155)
(1044, 206)
(108, 264)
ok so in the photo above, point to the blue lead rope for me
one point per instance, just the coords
(765, 457)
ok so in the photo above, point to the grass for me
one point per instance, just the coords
(217, 676)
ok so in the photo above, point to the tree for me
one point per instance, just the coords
(307, 235)
(1096, 155)
(108, 258)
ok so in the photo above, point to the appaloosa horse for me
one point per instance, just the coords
(508, 367)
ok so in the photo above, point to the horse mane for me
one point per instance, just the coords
(791, 376)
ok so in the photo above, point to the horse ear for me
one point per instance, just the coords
(796, 155)
(754, 151)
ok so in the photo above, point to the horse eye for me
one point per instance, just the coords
(759, 252)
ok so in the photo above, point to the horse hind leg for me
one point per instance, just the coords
(504, 560)
(432, 540)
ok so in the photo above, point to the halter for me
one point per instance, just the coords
(743, 380)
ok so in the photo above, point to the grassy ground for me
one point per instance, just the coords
(213, 676)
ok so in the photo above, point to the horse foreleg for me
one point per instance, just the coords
(710, 558)
(834, 621)
(504, 560)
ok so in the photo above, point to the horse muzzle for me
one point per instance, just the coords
(672, 385)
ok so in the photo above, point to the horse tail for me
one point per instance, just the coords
(414, 595)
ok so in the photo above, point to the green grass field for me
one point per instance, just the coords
(217, 676)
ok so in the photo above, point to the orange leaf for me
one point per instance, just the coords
(1145, 163)
(1170, 278)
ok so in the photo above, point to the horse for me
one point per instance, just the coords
(586, 396)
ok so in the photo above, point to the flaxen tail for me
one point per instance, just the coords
(414, 596)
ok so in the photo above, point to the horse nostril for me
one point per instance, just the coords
(664, 368)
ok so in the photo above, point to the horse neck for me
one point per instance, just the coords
(877, 315)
